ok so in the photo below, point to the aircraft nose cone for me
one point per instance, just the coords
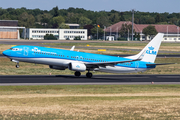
(6, 52)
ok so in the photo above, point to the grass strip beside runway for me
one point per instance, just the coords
(90, 102)
(7, 67)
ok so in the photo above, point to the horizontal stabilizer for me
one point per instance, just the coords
(159, 64)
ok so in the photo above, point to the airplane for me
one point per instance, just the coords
(61, 59)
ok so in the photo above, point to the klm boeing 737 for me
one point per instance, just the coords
(80, 61)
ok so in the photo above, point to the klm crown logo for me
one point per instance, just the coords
(151, 51)
(77, 66)
(151, 48)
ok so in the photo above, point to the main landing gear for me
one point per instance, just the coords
(88, 74)
(77, 74)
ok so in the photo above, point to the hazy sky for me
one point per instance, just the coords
(160, 6)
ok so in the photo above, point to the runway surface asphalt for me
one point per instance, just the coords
(96, 80)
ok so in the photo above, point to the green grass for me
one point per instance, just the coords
(88, 89)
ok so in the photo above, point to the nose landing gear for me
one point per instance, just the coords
(17, 66)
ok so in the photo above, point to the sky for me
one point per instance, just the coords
(159, 6)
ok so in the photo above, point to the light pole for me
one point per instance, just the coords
(117, 34)
(110, 31)
(177, 33)
(132, 22)
(97, 31)
(104, 32)
(167, 31)
(128, 34)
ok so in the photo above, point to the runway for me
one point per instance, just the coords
(96, 80)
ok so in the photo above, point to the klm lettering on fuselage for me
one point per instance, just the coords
(151, 51)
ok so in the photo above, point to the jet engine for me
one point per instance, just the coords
(76, 66)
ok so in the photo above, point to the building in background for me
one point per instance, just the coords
(73, 26)
(171, 31)
(60, 34)
(9, 29)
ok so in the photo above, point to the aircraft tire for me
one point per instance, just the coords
(77, 73)
(17, 66)
(89, 75)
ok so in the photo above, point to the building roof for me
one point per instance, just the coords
(71, 24)
(170, 29)
(9, 23)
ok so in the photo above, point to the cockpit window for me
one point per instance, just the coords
(14, 49)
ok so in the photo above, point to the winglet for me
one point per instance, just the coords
(72, 49)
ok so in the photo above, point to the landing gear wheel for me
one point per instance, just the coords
(89, 75)
(17, 66)
(77, 73)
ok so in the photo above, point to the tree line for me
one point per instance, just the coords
(56, 18)
(32, 17)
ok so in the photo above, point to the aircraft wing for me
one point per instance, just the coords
(104, 64)
(115, 62)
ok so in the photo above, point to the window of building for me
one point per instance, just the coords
(178, 38)
(174, 38)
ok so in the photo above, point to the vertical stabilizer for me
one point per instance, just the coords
(151, 49)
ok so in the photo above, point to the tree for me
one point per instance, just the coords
(84, 21)
(150, 20)
(73, 17)
(122, 16)
(124, 30)
(158, 18)
(26, 20)
(63, 26)
(55, 11)
(56, 21)
(149, 30)
(103, 21)
(114, 18)
(94, 31)
(178, 23)
(77, 38)
(49, 37)
(45, 18)
(88, 27)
